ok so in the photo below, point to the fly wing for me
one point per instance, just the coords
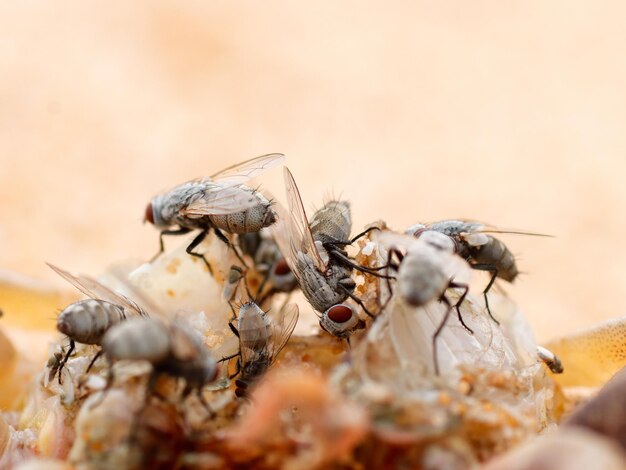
(283, 324)
(221, 200)
(482, 227)
(282, 233)
(300, 237)
(241, 172)
(94, 289)
(475, 239)
(395, 240)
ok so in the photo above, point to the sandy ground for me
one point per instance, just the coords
(414, 111)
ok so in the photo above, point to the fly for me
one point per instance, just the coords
(261, 338)
(481, 250)
(314, 252)
(87, 321)
(220, 203)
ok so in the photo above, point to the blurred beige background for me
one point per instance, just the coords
(509, 113)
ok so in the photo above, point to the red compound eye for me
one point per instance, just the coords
(149, 214)
(281, 268)
(340, 313)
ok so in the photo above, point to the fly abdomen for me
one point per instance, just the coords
(86, 321)
(497, 254)
(256, 367)
(253, 219)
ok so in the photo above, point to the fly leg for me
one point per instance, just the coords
(343, 259)
(225, 239)
(363, 233)
(233, 328)
(494, 274)
(353, 239)
(228, 358)
(64, 361)
(394, 266)
(449, 306)
(196, 241)
(93, 361)
(358, 301)
(180, 231)
(457, 306)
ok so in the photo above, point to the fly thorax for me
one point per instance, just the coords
(333, 222)
(421, 278)
(174, 203)
(322, 251)
(339, 275)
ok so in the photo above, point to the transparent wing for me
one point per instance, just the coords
(482, 227)
(242, 172)
(475, 239)
(390, 239)
(247, 355)
(283, 324)
(300, 237)
(221, 200)
(281, 232)
(94, 289)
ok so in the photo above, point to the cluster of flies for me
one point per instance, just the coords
(295, 252)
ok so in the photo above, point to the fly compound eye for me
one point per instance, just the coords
(340, 313)
(281, 268)
(149, 216)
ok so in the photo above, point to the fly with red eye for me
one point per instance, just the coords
(219, 203)
(315, 251)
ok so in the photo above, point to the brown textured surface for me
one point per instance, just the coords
(606, 412)
(510, 114)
